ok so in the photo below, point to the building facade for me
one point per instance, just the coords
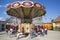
(2, 25)
(56, 23)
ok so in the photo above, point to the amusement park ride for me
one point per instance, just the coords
(26, 10)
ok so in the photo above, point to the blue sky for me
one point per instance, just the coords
(52, 8)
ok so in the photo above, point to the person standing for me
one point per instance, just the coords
(10, 32)
(45, 30)
(41, 31)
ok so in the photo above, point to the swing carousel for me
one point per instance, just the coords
(26, 11)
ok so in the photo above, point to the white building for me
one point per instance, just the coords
(56, 23)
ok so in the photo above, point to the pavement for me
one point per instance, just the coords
(52, 35)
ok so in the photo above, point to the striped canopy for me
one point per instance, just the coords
(26, 10)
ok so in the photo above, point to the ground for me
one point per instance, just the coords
(52, 35)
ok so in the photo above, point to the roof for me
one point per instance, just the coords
(57, 19)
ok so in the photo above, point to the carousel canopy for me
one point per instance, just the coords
(25, 9)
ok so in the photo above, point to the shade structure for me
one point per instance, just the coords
(26, 10)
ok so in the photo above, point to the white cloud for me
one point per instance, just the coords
(2, 19)
(4, 5)
(7, 4)
(5, 13)
(0, 5)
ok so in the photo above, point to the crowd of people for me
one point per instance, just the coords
(11, 29)
(34, 32)
(37, 30)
